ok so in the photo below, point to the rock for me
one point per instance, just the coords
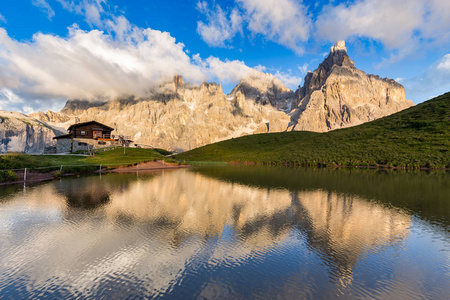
(338, 95)
(21, 133)
(180, 117)
(50, 117)
(76, 107)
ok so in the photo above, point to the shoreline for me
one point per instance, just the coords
(371, 167)
(36, 177)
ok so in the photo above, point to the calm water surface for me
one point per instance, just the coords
(228, 233)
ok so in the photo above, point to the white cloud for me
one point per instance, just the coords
(10, 101)
(282, 21)
(304, 68)
(437, 20)
(92, 10)
(219, 28)
(434, 81)
(291, 81)
(45, 7)
(2, 18)
(444, 64)
(396, 23)
(228, 71)
(96, 64)
(260, 68)
(88, 64)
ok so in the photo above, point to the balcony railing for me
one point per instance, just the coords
(112, 136)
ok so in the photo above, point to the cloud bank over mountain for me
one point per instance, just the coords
(91, 64)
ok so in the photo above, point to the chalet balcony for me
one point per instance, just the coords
(111, 137)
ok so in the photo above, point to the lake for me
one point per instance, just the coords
(228, 233)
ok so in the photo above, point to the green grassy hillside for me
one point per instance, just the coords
(418, 137)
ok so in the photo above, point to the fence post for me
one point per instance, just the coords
(100, 170)
(25, 175)
(60, 171)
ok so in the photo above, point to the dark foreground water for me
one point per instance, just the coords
(228, 233)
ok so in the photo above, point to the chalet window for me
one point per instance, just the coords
(82, 132)
(102, 143)
(82, 144)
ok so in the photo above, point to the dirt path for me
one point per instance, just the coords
(149, 166)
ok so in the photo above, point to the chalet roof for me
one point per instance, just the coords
(90, 123)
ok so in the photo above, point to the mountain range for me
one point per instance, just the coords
(180, 116)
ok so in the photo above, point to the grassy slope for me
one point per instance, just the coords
(416, 137)
(113, 157)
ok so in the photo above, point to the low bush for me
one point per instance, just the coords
(8, 176)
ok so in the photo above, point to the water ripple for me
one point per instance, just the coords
(185, 235)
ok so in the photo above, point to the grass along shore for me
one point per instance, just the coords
(74, 164)
(418, 137)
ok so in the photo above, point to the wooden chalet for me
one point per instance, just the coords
(88, 130)
(88, 136)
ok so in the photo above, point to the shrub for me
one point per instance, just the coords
(8, 176)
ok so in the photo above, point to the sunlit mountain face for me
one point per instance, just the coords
(209, 233)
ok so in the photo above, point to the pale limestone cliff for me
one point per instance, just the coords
(21, 133)
(338, 95)
(181, 117)
(55, 120)
(51, 117)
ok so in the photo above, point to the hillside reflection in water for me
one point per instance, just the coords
(208, 234)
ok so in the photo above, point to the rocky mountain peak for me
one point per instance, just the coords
(338, 95)
(178, 81)
(338, 56)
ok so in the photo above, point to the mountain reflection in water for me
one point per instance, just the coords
(187, 234)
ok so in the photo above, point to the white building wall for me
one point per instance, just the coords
(79, 144)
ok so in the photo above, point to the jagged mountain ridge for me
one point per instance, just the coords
(183, 117)
(180, 116)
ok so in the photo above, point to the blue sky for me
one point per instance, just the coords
(54, 50)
